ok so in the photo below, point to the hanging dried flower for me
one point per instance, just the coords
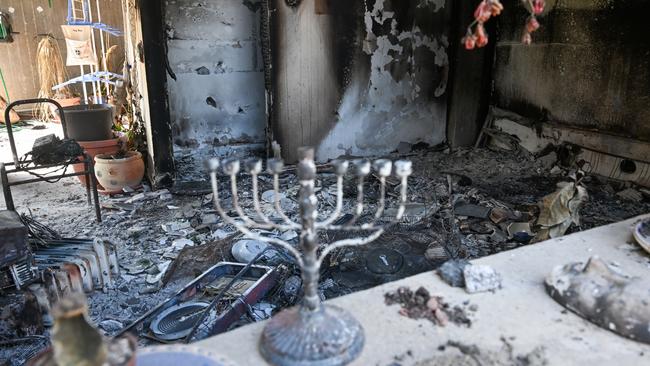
(477, 36)
(481, 36)
(470, 41)
(538, 6)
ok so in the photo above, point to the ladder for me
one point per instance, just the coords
(78, 12)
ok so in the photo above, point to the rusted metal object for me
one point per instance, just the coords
(96, 260)
(264, 279)
(14, 237)
(313, 333)
(16, 261)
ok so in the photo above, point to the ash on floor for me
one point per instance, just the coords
(464, 205)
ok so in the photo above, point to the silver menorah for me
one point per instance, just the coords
(312, 333)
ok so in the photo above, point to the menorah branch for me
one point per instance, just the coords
(256, 200)
(339, 205)
(349, 243)
(276, 202)
(242, 228)
(313, 333)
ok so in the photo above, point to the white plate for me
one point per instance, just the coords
(643, 236)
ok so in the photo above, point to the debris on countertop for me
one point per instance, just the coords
(420, 304)
(456, 353)
(481, 278)
(452, 272)
(601, 293)
(473, 277)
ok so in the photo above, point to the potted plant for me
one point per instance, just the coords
(116, 171)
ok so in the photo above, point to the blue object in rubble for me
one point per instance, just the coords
(79, 14)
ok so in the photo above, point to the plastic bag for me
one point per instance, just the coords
(78, 39)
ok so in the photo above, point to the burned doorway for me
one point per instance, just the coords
(358, 77)
(216, 95)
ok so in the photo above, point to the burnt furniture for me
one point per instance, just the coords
(30, 167)
(16, 259)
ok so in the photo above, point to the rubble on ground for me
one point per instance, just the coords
(466, 204)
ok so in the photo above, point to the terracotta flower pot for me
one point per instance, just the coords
(94, 148)
(115, 174)
(67, 102)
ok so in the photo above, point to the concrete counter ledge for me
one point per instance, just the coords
(520, 316)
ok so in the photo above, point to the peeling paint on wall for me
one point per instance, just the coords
(403, 97)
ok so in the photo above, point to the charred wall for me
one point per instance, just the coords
(589, 66)
(214, 50)
(358, 77)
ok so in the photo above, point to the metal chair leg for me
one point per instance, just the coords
(9, 201)
(88, 178)
(93, 186)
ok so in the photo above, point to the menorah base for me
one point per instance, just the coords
(329, 336)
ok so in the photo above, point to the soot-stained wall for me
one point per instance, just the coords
(218, 98)
(355, 77)
(589, 66)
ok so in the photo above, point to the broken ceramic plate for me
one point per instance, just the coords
(269, 196)
(289, 235)
(221, 234)
(603, 295)
(642, 234)
(520, 231)
(140, 266)
(179, 244)
(262, 311)
(246, 250)
(176, 226)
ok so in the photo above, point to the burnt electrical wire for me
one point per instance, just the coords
(40, 233)
(21, 350)
(49, 150)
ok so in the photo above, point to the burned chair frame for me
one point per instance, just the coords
(23, 166)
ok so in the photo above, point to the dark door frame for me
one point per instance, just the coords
(154, 48)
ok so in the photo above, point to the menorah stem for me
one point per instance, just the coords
(309, 237)
(310, 275)
(317, 334)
